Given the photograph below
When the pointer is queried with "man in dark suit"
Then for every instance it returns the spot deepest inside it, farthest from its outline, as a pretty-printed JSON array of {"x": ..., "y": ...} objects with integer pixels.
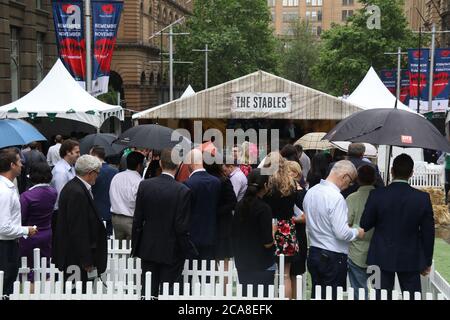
[
  {"x": 355, "y": 155},
  {"x": 205, "y": 197},
  {"x": 101, "y": 188},
  {"x": 403, "y": 238},
  {"x": 80, "y": 236},
  {"x": 160, "y": 234}
]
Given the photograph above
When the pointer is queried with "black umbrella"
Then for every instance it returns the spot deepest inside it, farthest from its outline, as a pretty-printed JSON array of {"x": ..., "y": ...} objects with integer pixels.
[
  {"x": 151, "y": 136},
  {"x": 102, "y": 140},
  {"x": 392, "y": 127}
]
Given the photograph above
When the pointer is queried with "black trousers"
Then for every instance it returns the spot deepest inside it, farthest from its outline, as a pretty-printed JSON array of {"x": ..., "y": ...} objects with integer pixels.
[
  {"x": 256, "y": 278},
  {"x": 9, "y": 264},
  {"x": 327, "y": 268},
  {"x": 161, "y": 273},
  {"x": 409, "y": 281}
]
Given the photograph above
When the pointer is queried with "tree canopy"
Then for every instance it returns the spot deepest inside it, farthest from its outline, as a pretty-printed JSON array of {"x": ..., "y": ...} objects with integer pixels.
[
  {"x": 348, "y": 51},
  {"x": 238, "y": 33}
]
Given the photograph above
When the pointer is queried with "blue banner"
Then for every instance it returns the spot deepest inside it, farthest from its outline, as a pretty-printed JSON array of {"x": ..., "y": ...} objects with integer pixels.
[
  {"x": 441, "y": 86},
  {"x": 389, "y": 78},
  {"x": 105, "y": 22},
  {"x": 69, "y": 30},
  {"x": 416, "y": 57},
  {"x": 404, "y": 87}
]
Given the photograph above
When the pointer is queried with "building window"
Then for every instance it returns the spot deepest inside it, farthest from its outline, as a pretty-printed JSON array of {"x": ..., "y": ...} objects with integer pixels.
[
  {"x": 347, "y": 2},
  {"x": 319, "y": 30},
  {"x": 289, "y": 16},
  {"x": 143, "y": 78},
  {"x": 271, "y": 3},
  {"x": 15, "y": 64},
  {"x": 273, "y": 17},
  {"x": 308, "y": 15},
  {"x": 290, "y": 3},
  {"x": 39, "y": 57},
  {"x": 38, "y": 4},
  {"x": 346, "y": 14},
  {"x": 319, "y": 15},
  {"x": 314, "y": 16},
  {"x": 314, "y": 3}
]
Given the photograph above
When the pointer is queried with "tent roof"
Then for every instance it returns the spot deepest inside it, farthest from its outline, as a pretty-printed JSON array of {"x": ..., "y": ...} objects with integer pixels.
[
  {"x": 372, "y": 93},
  {"x": 216, "y": 102},
  {"x": 59, "y": 95}
]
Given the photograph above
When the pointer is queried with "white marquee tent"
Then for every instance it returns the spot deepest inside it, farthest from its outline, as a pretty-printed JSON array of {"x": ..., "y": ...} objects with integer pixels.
[
  {"x": 372, "y": 93},
  {"x": 58, "y": 95}
]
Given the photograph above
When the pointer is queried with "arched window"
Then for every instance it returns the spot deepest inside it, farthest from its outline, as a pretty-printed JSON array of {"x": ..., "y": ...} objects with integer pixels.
[
  {"x": 151, "y": 78},
  {"x": 142, "y": 78},
  {"x": 158, "y": 78}
]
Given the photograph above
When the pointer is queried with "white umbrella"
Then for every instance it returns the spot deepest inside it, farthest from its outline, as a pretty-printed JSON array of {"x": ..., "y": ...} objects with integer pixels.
[
  {"x": 313, "y": 141},
  {"x": 371, "y": 150}
]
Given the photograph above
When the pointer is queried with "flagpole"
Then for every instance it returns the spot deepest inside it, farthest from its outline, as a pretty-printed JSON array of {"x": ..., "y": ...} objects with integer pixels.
[
  {"x": 430, "y": 87},
  {"x": 87, "y": 9}
]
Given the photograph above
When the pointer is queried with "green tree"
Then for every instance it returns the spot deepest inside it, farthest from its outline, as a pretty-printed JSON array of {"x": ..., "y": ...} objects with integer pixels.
[
  {"x": 239, "y": 34},
  {"x": 349, "y": 50},
  {"x": 110, "y": 97},
  {"x": 299, "y": 53}
]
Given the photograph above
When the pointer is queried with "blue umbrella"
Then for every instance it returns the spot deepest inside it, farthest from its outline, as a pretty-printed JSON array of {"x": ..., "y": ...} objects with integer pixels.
[{"x": 14, "y": 132}]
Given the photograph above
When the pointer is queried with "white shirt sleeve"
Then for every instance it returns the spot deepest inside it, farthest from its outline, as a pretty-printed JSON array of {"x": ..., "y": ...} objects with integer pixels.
[
  {"x": 339, "y": 222},
  {"x": 7, "y": 227},
  {"x": 59, "y": 181}
]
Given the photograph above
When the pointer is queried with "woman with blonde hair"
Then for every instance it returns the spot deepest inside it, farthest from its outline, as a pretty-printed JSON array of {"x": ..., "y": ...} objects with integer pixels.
[
  {"x": 298, "y": 265},
  {"x": 282, "y": 196},
  {"x": 245, "y": 159}
]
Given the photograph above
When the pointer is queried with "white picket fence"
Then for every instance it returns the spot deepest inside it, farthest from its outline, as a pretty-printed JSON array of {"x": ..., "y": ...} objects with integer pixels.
[
  {"x": 424, "y": 178},
  {"x": 122, "y": 280}
]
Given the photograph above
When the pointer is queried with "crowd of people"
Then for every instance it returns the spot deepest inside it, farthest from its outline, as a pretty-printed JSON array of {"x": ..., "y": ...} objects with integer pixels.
[{"x": 332, "y": 217}]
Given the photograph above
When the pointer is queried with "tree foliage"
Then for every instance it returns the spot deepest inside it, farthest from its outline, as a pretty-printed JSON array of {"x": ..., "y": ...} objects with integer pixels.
[
  {"x": 237, "y": 31},
  {"x": 299, "y": 53},
  {"x": 349, "y": 50}
]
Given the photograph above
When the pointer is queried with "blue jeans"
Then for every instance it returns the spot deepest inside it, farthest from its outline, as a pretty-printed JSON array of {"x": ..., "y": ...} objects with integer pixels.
[
  {"x": 358, "y": 277},
  {"x": 327, "y": 268}
]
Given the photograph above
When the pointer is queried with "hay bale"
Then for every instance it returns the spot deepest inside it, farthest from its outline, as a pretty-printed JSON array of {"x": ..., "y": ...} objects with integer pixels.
[
  {"x": 441, "y": 214},
  {"x": 437, "y": 196}
]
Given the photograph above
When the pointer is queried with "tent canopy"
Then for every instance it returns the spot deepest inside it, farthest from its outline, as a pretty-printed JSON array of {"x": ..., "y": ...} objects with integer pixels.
[
  {"x": 219, "y": 102},
  {"x": 372, "y": 93},
  {"x": 59, "y": 95}
]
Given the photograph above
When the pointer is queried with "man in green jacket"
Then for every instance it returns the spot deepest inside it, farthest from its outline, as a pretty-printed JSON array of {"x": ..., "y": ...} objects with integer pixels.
[{"x": 357, "y": 256}]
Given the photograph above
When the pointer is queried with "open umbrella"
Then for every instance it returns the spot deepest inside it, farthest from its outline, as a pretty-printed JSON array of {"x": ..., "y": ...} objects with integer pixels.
[
  {"x": 314, "y": 141},
  {"x": 392, "y": 127},
  {"x": 371, "y": 150},
  {"x": 16, "y": 132},
  {"x": 102, "y": 140},
  {"x": 150, "y": 136}
]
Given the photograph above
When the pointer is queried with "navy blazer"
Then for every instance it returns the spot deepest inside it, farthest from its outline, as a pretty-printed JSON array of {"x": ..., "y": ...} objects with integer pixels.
[
  {"x": 205, "y": 198},
  {"x": 100, "y": 190},
  {"x": 161, "y": 221},
  {"x": 403, "y": 239}
]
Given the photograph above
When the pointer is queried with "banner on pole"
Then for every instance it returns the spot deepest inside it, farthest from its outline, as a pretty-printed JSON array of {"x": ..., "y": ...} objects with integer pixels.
[
  {"x": 69, "y": 30},
  {"x": 389, "y": 78},
  {"x": 404, "y": 87},
  {"x": 441, "y": 86},
  {"x": 105, "y": 22},
  {"x": 416, "y": 56}
]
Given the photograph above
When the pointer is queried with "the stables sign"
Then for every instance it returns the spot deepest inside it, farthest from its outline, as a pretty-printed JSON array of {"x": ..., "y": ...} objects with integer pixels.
[{"x": 273, "y": 102}]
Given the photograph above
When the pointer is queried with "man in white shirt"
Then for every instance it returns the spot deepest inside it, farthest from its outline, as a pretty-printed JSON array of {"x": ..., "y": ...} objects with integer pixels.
[
  {"x": 53, "y": 152},
  {"x": 237, "y": 178},
  {"x": 123, "y": 192},
  {"x": 327, "y": 225},
  {"x": 11, "y": 228},
  {"x": 64, "y": 170}
]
